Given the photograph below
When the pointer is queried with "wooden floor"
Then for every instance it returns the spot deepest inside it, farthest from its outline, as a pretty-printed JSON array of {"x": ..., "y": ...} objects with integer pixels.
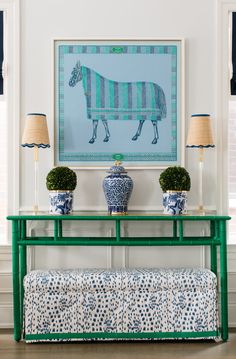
[{"x": 136, "y": 350}]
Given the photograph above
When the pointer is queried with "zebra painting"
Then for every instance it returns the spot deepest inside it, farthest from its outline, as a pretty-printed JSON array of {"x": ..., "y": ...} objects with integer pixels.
[{"x": 112, "y": 100}]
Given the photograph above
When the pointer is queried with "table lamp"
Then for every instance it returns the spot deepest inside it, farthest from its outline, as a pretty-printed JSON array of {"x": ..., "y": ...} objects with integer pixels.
[
  {"x": 35, "y": 136},
  {"x": 200, "y": 136}
]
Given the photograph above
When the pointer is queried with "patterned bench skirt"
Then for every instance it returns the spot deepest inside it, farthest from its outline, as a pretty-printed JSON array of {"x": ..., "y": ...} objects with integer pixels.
[{"x": 146, "y": 300}]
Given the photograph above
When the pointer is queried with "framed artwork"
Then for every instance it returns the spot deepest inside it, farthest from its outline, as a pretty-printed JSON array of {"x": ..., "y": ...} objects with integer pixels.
[{"x": 119, "y": 99}]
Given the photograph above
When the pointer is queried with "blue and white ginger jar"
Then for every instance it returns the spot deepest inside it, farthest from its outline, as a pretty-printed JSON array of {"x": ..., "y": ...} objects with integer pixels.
[
  {"x": 117, "y": 187},
  {"x": 175, "y": 203},
  {"x": 60, "y": 202}
]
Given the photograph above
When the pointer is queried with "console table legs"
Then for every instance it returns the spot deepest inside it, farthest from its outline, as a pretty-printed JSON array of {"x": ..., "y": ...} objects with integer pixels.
[
  {"x": 16, "y": 280},
  {"x": 223, "y": 281}
]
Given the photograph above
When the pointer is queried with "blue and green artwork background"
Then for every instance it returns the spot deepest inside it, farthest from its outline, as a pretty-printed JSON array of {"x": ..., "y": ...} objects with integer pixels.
[{"x": 149, "y": 63}]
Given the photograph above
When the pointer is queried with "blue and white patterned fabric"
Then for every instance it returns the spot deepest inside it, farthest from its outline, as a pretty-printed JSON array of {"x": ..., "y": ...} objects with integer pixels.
[{"x": 120, "y": 300}]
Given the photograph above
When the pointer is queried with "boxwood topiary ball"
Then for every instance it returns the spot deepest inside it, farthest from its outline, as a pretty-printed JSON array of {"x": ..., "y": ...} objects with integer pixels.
[
  {"x": 175, "y": 178},
  {"x": 61, "y": 178}
]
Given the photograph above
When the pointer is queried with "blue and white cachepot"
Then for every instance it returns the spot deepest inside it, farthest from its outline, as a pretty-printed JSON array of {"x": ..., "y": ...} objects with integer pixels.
[
  {"x": 117, "y": 187},
  {"x": 175, "y": 203},
  {"x": 60, "y": 202}
]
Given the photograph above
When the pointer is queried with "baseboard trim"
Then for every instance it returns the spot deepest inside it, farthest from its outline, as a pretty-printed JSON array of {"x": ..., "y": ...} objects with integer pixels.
[{"x": 6, "y": 328}]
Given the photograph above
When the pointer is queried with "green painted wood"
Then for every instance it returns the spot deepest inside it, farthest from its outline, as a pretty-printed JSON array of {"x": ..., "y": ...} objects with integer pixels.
[
  {"x": 174, "y": 229},
  {"x": 223, "y": 280},
  {"x": 67, "y": 241},
  {"x": 23, "y": 266},
  {"x": 106, "y": 335},
  {"x": 60, "y": 228},
  {"x": 55, "y": 224},
  {"x": 23, "y": 271},
  {"x": 23, "y": 229},
  {"x": 213, "y": 254},
  {"x": 114, "y": 239},
  {"x": 181, "y": 231},
  {"x": 107, "y": 217},
  {"x": 118, "y": 230},
  {"x": 213, "y": 247},
  {"x": 16, "y": 280}
]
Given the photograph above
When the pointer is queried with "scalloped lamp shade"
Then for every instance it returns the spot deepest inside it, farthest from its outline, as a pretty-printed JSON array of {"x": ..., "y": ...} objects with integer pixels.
[
  {"x": 36, "y": 131},
  {"x": 200, "y": 133},
  {"x": 200, "y": 137},
  {"x": 35, "y": 136}
]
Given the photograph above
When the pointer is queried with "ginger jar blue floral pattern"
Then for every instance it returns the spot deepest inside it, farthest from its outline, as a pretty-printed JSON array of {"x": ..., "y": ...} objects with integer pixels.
[
  {"x": 60, "y": 202},
  {"x": 175, "y": 203},
  {"x": 117, "y": 188}
]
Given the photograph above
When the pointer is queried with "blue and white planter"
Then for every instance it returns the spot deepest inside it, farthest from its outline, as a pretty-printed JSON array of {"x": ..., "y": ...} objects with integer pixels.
[
  {"x": 175, "y": 203},
  {"x": 117, "y": 188},
  {"x": 60, "y": 202}
]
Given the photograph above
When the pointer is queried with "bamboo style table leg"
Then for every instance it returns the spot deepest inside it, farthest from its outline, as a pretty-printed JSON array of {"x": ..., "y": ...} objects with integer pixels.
[
  {"x": 16, "y": 279},
  {"x": 223, "y": 281},
  {"x": 214, "y": 258},
  {"x": 213, "y": 249},
  {"x": 23, "y": 268}
]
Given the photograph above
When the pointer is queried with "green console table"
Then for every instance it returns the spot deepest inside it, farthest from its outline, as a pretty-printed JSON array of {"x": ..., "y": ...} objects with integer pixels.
[{"x": 215, "y": 239}]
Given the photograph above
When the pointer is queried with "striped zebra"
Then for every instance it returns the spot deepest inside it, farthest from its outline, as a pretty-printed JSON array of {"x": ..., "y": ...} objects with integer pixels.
[{"x": 112, "y": 100}]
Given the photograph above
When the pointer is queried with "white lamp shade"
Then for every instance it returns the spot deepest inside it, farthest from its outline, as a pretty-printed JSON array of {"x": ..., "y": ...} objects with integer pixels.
[
  {"x": 36, "y": 131},
  {"x": 200, "y": 133}
]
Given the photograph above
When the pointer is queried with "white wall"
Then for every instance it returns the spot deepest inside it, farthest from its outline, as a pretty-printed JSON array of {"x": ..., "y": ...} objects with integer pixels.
[{"x": 41, "y": 21}]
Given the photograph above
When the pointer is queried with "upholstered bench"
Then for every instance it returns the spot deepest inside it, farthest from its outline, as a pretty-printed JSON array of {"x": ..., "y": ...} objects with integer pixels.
[{"x": 62, "y": 304}]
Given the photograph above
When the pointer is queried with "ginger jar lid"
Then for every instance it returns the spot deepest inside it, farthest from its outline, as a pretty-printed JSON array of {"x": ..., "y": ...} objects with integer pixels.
[{"x": 117, "y": 168}]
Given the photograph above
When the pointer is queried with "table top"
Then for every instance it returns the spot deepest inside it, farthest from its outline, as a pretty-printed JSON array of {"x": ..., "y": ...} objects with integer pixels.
[{"x": 132, "y": 215}]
